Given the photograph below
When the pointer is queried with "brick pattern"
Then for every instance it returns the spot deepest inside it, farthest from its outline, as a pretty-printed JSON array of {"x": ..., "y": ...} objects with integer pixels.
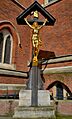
[
  {"x": 8, "y": 106},
  {"x": 65, "y": 108},
  {"x": 12, "y": 80},
  {"x": 66, "y": 79},
  {"x": 20, "y": 55},
  {"x": 57, "y": 38}
]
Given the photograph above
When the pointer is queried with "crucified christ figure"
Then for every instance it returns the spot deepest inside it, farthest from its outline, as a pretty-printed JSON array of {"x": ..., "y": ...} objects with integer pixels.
[{"x": 36, "y": 42}]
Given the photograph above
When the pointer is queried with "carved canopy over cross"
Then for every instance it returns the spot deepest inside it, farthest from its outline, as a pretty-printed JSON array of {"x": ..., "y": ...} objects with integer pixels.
[{"x": 35, "y": 6}]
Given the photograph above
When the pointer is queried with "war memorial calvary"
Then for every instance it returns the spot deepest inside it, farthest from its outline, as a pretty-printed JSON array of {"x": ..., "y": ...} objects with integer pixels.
[{"x": 35, "y": 58}]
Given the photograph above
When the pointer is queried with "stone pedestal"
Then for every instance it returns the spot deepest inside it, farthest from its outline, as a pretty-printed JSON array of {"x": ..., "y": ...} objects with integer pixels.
[
  {"x": 25, "y": 98},
  {"x": 26, "y": 111}
]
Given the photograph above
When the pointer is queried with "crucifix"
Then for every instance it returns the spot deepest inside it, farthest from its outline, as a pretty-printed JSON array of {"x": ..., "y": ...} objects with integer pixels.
[
  {"x": 35, "y": 82},
  {"x": 36, "y": 42}
]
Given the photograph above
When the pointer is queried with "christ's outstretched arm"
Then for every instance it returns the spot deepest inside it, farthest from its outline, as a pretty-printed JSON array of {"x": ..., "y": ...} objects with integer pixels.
[
  {"x": 43, "y": 24},
  {"x": 28, "y": 23}
]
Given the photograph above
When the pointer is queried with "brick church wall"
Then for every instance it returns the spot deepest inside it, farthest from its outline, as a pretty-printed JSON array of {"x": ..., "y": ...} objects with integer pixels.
[
  {"x": 57, "y": 38},
  {"x": 21, "y": 55},
  {"x": 64, "y": 78}
]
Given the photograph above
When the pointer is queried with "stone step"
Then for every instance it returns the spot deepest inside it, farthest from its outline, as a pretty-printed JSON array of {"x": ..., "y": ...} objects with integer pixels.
[{"x": 34, "y": 112}]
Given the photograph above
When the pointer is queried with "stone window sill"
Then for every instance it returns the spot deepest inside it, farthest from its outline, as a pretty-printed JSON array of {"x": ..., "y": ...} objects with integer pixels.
[{"x": 8, "y": 66}]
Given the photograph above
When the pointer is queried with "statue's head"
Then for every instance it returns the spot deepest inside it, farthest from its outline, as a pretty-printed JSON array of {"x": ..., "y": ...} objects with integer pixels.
[{"x": 35, "y": 24}]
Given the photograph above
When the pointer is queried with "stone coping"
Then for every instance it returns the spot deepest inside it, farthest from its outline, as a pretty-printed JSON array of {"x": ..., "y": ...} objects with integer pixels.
[
  {"x": 13, "y": 73},
  {"x": 65, "y": 69}
]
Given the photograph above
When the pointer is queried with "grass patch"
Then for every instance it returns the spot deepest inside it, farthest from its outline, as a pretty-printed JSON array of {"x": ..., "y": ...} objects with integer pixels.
[
  {"x": 63, "y": 117},
  {"x": 58, "y": 117}
]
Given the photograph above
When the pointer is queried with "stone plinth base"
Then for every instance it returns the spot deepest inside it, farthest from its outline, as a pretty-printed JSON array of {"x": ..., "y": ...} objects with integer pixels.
[
  {"x": 25, "y": 98},
  {"x": 34, "y": 112},
  {"x": 26, "y": 111}
]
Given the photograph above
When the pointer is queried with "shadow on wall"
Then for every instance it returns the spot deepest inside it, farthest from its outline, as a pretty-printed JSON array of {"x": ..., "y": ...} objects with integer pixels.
[{"x": 44, "y": 55}]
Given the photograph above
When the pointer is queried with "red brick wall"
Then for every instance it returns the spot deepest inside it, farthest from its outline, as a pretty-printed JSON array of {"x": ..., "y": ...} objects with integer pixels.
[
  {"x": 64, "y": 78},
  {"x": 12, "y": 80},
  {"x": 57, "y": 38},
  {"x": 21, "y": 55},
  {"x": 65, "y": 108},
  {"x": 8, "y": 107}
]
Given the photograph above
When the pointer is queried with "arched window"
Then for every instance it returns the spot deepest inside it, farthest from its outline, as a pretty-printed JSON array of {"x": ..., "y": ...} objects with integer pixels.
[
  {"x": 7, "y": 50},
  {"x": 50, "y": 1},
  {"x": 59, "y": 91},
  {"x": 5, "y": 46},
  {"x": 1, "y": 46}
]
